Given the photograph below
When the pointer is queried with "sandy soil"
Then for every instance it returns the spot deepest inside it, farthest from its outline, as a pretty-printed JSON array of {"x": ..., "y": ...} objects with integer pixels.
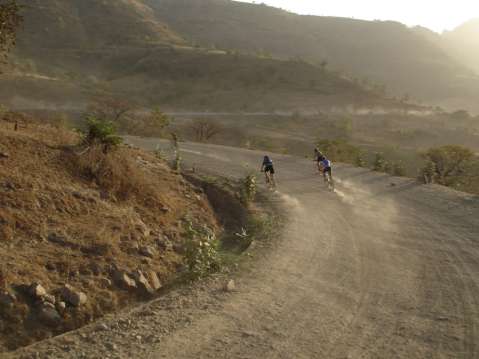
[{"x": 382, "y": 268}]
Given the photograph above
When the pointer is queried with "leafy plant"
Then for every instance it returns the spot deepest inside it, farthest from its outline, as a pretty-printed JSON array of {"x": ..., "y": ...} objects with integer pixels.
[
  {"x": 10, "y": 20},
  {"x": 398, "y": 169},
  {"x": 201, "y": 251},
  {"x": 450, "y": 165},
  {"x": 176, "y": 149},
  {"x": 339, "y": 150},
  {"x": 101, "y": 132},
  {"x": 248, "y": 189},
  {"x": 380, "y": 162}
]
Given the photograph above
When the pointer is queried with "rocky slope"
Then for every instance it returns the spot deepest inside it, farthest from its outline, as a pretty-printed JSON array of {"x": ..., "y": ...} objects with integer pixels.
[{"x": 82, "y": 233}]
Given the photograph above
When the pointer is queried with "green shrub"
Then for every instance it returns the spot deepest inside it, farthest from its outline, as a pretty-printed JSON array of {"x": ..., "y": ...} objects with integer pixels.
[
  {"x": 101, "y": 132},
  {"x": 398, "y": 169},
  {"x": 248, "y": 189},
  {"x": 380, "y": 162},
  {"x": 450, "y": 165},
  {"x": 175, "y": 142},
  {"x": 339, "y": 150},
  {"x": 201, "y": 251}
]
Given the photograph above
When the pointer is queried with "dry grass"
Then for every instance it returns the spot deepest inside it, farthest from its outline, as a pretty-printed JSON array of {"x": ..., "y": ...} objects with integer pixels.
[{"x": 67, "y": 217}]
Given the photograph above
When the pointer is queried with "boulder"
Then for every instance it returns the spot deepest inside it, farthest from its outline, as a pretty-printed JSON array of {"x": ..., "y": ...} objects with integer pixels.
[
  {"x": 37, "y": 291},
  {"x": 143, "y": 283},
  {"x": 73, "y": 296},
  {"x": 7, "y": 300},
  {"x": 49, "y": 316},
  {"x": 154, "y": 280},
  {"x": 123, "y": 280}
]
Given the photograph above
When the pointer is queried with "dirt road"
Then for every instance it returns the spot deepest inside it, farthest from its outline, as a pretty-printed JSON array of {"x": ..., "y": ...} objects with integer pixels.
[{"x": 383, "y": 268}]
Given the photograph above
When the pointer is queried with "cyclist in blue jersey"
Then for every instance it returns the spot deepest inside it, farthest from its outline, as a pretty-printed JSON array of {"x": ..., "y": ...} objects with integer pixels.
[{"x": 326, "y": 169}]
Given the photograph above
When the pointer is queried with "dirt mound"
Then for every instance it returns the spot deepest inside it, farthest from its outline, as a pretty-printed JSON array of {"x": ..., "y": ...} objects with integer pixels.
[{"x": 83, "y": 233}]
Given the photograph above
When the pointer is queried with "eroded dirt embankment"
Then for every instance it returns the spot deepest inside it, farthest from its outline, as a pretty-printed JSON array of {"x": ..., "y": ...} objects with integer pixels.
[{"x": 83, "y": 233}]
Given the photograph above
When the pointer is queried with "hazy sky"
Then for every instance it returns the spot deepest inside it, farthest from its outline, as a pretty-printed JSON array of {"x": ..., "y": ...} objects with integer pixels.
[{"x": 438, "y": 15}]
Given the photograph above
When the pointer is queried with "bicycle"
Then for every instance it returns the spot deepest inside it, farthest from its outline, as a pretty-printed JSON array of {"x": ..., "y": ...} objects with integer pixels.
[
  {"x": 328, "y": 178},
  {"x": 270, "y": 182}
]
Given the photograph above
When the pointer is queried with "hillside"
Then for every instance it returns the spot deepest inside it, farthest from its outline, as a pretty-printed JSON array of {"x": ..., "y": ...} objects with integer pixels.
[
  {"x": 57, "y": 24},
  {"x": 463, "y": 43},
  {"x": 90, "y": 220},
  {"x": 384, "y": 52},
  {"x": 71, "y": 52}
]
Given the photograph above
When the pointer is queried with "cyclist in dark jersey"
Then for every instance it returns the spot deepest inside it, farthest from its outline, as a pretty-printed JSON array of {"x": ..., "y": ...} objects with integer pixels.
[
  {"x": 317, "y": 158},
  {"x": 268, "y": 168}
]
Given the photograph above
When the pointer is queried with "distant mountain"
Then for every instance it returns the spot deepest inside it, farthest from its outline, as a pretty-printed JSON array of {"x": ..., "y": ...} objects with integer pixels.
[
  {"x": 71, "y": 51},
  {"x": 463, "y": 43},
  {"x": 384, "y": 52},
  {"x": 60, "y": 24}
]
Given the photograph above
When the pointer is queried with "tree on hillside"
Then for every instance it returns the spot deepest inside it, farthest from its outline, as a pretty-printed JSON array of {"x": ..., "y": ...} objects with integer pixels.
[
  {"x": 10, "y": 20},
  {"x": 204, "y": 130},
  {"x": 116, "y": 110},
  {"x": 448, "y": 165},
  {"x": 150, "y": 124}
]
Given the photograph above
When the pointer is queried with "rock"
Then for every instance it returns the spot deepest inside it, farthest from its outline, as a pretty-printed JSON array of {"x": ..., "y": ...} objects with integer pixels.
[
  {"x": 105, "y": 283},
  {"x": 48, "y": 298},
  {"x": 147, "y": 251},
  {"x": 72, "y": 296},
  {"x": 4, "y": 155},
  {"x": 143, "y": 283},
  {"x": 123, "y": 280},
  {"x": 37, "y": 291},
  {"x": 154, "y": 280},
  {"x": 61, "y": 306},
  {"x": 165, "y": 209},
  {"x": 49, "y": 316},
  {"x": 7, "y": 300},
  {"x": 102, "y": 327},
  {"x": 179, "y": 248},
  {"x": 230, "y": 286}
]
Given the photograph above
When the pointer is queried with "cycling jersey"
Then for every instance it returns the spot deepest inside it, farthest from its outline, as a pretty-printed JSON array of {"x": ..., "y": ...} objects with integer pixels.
[{"x": 326, "y": 163}]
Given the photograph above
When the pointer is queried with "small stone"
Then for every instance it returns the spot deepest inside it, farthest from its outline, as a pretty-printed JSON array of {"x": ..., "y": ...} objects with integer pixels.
[
  {"x": 154, "y": 280},
  {"x": 105, "y": 283},
  {"x": 147, "y": 251},
  {"x": 37, "y": 291},
  {"x": 4, "y": 155},
  {"x": 102, "y": 327},
  {"x": 48, "y": 298},
  {"x": 230, "y": 286},
  {"x": 61, "y": 306},
  {"x": 142, "y": 282},
  {"x": 72, "y": 296},
  {"x": 123, "y": 280}
]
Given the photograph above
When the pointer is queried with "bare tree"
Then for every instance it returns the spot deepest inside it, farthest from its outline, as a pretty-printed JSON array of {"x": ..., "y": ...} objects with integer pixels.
[
  {"x": 204, "y": 130},
  {"x": 111, "y": 109},
  {"x": 10, "y": 20}
]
